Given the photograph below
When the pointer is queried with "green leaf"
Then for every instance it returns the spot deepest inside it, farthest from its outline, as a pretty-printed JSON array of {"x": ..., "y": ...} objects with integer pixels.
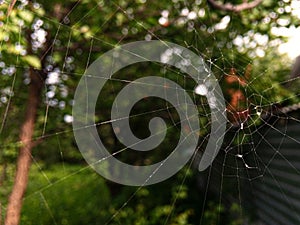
[
  {"x": 26, "y": 15},
  {"x": 33, "y": 61}
]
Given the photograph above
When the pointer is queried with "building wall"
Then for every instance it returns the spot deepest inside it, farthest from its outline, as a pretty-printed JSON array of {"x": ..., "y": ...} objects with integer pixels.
[{"x": 277, "y": 192}]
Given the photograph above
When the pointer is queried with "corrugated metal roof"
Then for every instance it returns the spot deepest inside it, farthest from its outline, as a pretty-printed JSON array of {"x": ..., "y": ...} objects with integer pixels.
[{"x": 277, "y": 192}]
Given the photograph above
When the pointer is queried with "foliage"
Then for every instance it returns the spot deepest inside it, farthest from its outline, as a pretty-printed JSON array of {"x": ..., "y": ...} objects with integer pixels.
[
  {"x": 74, "y": 194},
  {"x": 65, "y": 199},
  {"x": 60, "y": 39}
]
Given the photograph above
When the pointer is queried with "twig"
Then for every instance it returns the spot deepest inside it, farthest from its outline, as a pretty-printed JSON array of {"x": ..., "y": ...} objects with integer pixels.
[
  {"x": 10, "y": 7},
  {"x": 235, "y": 8}
]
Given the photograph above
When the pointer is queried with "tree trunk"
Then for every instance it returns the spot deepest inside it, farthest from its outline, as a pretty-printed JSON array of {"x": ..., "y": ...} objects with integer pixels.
[{"x": 24, "y": 159}]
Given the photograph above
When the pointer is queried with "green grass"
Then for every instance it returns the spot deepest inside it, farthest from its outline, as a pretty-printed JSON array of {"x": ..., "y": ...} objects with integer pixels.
[{"x": 65, "y": 195}]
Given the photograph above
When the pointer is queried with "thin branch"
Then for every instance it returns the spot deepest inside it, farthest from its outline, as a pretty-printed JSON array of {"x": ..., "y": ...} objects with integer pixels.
[
  {"x": 10, "y": 7},
  {"x": 235, "y": 8}
]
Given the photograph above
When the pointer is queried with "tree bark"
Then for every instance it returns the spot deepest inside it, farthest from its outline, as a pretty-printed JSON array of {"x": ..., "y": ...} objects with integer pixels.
[
  {"x": 24, "y": 159},
  {"x": 235, "y": 8}
]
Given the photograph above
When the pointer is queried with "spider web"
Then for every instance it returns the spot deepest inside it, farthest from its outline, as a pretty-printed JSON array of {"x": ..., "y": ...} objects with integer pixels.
[{"x": 257, "y": 168}]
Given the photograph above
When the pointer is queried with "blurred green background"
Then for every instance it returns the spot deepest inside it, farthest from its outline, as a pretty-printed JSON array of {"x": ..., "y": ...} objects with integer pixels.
[{"x": 59, "y": 39}]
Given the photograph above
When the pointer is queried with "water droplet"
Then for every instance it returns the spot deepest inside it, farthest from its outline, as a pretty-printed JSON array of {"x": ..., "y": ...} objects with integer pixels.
[{"x": 201, "y": 90}]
